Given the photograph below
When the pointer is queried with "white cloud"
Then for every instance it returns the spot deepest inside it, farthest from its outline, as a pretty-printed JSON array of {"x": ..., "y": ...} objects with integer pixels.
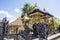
[
  {"x": 9, "y": 16},
  {"x": 17, "y": 10},
  {"x": 6, "y": 14}
]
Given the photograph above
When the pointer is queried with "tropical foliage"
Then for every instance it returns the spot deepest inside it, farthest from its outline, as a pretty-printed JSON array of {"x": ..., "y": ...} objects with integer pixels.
[
  {"x": 27, "y": 8},
  {"x": 56, "y": 22}
]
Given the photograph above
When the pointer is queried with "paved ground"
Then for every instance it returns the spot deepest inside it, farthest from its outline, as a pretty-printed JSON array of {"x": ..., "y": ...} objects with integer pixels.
[
  {"x": 55, "y": 36},
  {"x": 52, "y": 37},
  {"x": 38, "y": 39},
  {"x": 58, "y": 38}
]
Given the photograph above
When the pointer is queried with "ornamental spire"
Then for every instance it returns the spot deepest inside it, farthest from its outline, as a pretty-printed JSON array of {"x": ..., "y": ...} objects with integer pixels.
[
  {"x": 36, "y": 6},
  {"x": 44, "y": 10}
]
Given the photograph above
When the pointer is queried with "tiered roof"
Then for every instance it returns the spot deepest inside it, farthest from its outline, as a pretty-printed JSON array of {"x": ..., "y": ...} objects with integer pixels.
[
  {"x": 36, "y": 9},
  {"x": 18, "y": 21}
]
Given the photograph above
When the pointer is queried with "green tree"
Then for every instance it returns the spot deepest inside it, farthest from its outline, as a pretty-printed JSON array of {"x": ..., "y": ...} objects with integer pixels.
[
  {"x": 56, "y": 23},
  {"x": 26, "y": 8}
]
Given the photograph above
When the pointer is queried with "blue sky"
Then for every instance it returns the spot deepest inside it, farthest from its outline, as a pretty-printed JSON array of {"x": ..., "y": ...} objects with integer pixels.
[{"x": 12, "y": 8}]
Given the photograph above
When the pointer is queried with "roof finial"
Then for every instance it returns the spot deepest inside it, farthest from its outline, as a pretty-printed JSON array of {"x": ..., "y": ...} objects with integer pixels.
[
  {"x": 36, "y": 5},
  {"x": 44, "y": 9}
]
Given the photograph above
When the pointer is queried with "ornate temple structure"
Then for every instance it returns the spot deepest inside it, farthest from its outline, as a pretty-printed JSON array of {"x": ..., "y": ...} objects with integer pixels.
[
  {"x": 3, "y": 28},
  {"x": 3, "y": 25},
  {"x": 34, "y": 16},
  {"x": 15, "y": 26}
]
